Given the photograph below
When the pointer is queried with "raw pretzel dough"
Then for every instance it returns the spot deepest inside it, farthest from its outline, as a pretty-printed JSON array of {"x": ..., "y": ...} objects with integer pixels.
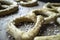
[
  {"x": 53, "y": 37},
  {"x": 39, "y": 20},
  {"x": 21, "y": 35},
  {"x": 9, "y": 7},
  {"x": 51, "y": 16},
  {"x": 58, "y": 20},
  {"x": 28, "y": 3},
  {"x": 53, "y": 7}
]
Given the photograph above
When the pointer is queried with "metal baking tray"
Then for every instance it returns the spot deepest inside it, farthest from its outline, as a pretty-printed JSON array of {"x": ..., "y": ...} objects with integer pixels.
[{"x": 21, "y": 12}]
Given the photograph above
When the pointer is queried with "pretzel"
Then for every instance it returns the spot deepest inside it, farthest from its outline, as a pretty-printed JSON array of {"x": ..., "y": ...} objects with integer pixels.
[
  {"x": 52, "y": 7},
  {"x": 55, "y": 7},
  {"x": 52, "y": 37},
  {"x": 50, "y": 16},
  {"x": 28, "y": 3},
  {"x": 22, "y": 35},
  {"x": 7, "y": 7}
]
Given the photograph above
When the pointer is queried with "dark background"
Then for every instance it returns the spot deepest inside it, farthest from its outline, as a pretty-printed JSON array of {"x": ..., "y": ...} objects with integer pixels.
[{"x": 50, "y": 0}]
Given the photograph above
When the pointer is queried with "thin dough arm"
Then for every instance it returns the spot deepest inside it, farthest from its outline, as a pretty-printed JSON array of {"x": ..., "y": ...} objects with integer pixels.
[
  {"x": 53, "y": 37},
  {"x": 14, "y": 31},
  {"x": 35, "y": 30}
]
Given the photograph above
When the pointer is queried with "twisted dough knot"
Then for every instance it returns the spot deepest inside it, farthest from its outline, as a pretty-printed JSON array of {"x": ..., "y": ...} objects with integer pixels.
[
  {"x": 28, "y": 3},
  {"x": 22, "y": 35},
  {"x": 48, "y": 15},
  {"x": 54, "y": 7},
  {"x": 7, "y": 7}
]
